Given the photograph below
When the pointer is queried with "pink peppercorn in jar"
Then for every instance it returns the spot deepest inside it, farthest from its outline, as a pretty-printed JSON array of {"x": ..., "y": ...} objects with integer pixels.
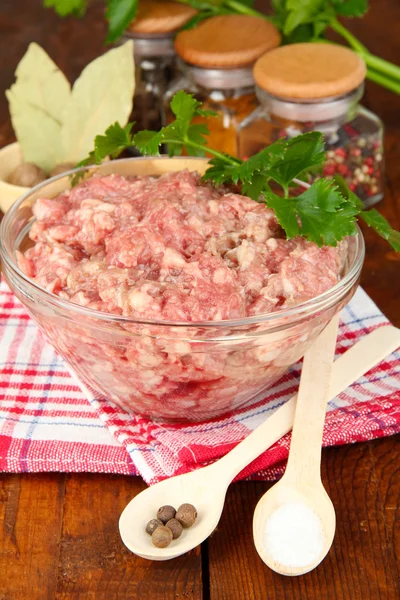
[{"x": 317, "y": 87}]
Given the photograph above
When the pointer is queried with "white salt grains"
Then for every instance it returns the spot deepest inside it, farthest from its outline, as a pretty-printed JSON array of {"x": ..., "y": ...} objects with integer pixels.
[{"x": 293, "y": 535}]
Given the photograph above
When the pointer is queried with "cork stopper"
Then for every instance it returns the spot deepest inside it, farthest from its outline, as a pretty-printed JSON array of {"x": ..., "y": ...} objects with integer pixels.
[
  {"x": 309, "y": 71},
  {"x": 227, "y": 41},
  {"x": 160, "y": 17}
]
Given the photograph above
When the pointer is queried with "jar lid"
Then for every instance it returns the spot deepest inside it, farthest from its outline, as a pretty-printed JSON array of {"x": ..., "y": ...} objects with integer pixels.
[
  {"x": 309, "y": 71},
  {"x": 160, "y": 16},
  {"x": 227, "y": 41}
]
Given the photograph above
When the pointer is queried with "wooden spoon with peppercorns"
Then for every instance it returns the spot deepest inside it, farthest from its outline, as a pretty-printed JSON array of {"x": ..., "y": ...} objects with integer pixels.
[{"x": 205, "y": 488}]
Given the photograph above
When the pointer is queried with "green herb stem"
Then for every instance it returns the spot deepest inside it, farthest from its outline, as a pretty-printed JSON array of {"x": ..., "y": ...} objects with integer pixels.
[
  {"x": 375, "y": 62},
  {"x": 228, "y": 159},
  {"x": 236, "y": 6},
  {"x": 384, "y": 81},
  {"x": 383, "y": 66},
  {"x": 349, "y": 37},
  {"x": 243, "y": 9}
]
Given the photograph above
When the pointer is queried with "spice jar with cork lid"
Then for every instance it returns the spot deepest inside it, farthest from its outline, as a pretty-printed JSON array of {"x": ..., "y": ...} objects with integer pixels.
[
  {"x": 317, "y": 87},
  {"x": 153, "y": 32},
  {"x": 216, "y": 59}
]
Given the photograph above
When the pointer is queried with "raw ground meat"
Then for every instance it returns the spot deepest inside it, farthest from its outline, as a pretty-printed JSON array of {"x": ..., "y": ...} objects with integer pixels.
[{"x": 173, "y": 249}]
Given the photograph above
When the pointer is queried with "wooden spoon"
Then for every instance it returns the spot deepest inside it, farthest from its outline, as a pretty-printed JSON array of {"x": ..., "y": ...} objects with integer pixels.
[
  {"x": 294, "y": 522},
  {"x": 206, "y": 487}
]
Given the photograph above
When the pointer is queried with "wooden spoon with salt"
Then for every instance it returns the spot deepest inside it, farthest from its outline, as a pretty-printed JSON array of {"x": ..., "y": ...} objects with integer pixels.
[{"x": 294, "y": 522}]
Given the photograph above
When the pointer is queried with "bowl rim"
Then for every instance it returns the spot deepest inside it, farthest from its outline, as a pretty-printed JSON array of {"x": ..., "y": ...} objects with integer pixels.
[{"x": 312, "y": 306}]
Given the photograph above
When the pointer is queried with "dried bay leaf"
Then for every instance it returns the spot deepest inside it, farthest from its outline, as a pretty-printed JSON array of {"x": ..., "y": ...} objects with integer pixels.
[
  {"x": 103, "y": 94},
  {"x": 37, "y": 100}
]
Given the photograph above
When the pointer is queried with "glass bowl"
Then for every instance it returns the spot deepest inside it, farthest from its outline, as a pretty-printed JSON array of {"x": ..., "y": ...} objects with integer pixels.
[{"x": 168, "y": 370}]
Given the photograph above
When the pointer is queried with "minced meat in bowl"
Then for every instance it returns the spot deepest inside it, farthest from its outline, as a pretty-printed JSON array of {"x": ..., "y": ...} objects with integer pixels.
[{"x": 172, "y": 298}]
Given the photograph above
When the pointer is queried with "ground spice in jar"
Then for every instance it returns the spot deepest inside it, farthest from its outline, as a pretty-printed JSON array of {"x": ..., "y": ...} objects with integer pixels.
[
  {"x": 317, "y": 87},
  {"x": 217, "y": 58},
  {"x": 293, "y": 535}
]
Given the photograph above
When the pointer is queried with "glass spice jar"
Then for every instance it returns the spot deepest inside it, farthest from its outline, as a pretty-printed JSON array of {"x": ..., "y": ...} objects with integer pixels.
[
  {"x": 153, "y": 32},
  {"x": 216, "y": 60},
  {"x": 317, "y": 87}
]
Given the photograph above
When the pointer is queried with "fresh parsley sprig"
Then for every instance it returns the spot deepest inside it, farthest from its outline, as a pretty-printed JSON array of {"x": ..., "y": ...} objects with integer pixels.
[{"x": 324, "y": 213}]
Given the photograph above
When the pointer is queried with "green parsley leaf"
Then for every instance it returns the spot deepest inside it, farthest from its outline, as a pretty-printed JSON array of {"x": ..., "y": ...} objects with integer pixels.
[
  {"x": 263, "y": 161},
  {"x": 347, "y": 193},
  {"x": 326, "y": 216},
  {"x": 119, "y": 14},
  {"x": 379, "y": 224},
  {"x": 67, "y": 7},
  {"x": 221, "y": 171},
  {"x": 113, "y": 142},
  {"x": 321, "y": 214},
  {"x": 298, "y": 14},
  {"x": 307, "y": 20},
  {"x": 180, "y": 132},
  {"x": 255, "y": 187},
  {"x": 285, "y": 210},
  {"x": 184, "y": 106},
  {"x": 302, "y": 153},
  {"x": 351, "y": 8},
  {"x": 86, "y": 162},
  {"x": 196, "y": 134},
  {"x": 148, "y": 142}
]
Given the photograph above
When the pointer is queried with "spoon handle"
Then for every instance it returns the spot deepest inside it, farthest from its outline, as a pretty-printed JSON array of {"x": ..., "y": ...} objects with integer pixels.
[
  {"x": 349, "y": 367},
  {"x": 304, "y": 462}
]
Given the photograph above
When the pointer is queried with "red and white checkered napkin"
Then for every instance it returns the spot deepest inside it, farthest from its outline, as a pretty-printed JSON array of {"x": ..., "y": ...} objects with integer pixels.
[{"x": 47, "y": 424}]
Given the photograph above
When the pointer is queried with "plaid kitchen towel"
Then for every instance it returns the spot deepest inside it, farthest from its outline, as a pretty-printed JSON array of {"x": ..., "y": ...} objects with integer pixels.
[{"x": 48, "y": 424}]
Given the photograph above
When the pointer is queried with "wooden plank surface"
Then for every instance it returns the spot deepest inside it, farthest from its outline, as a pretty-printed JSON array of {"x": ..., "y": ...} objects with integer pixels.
[
  {"x": 59, "y": 539},
  {"x": 58, "y": 533},
  {"x": 364, "y": 563},
  {"x": 95, "y": 565},
  {"x": 31, "y": 511}
]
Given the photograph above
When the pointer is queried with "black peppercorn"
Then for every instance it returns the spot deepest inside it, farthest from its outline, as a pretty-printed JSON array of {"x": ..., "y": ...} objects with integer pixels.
[
  {"x": 165, "y": 513},
  {"x": 162, "y": 537},
  {"x": 175, "y": 527},
  {"x": 152, "y": 525},
  {"x": 186, "y": 515}
]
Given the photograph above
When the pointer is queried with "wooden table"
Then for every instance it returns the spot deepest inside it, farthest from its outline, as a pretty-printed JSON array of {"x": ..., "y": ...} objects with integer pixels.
[{"x": 58, "y": 532}]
